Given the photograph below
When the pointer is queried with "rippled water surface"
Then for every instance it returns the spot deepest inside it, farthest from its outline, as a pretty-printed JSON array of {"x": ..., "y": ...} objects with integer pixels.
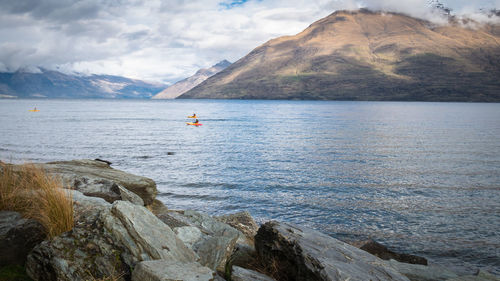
[{"x": 421, "y": 177}]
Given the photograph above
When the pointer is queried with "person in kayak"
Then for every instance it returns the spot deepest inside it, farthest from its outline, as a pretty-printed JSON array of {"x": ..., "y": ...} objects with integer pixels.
[
  {"x": 194, "y": 115},
  {"x": 195, "y": 121}
]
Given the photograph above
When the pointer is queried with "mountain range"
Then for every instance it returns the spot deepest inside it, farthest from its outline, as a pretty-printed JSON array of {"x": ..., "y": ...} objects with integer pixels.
[
  {"x": 365, "y": 55},
  {"x": 54, "y": 84},
  {"x": 187, "y": 84}
]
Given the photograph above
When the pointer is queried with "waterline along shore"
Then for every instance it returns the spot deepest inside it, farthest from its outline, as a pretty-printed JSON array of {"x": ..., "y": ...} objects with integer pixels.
[{"x": 122, "y": 232}]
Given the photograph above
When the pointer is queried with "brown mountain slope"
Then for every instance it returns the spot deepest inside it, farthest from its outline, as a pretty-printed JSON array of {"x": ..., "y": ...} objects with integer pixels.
[
  {"x": 363, "y": 55},
  {"x": 187, "y": 84}
]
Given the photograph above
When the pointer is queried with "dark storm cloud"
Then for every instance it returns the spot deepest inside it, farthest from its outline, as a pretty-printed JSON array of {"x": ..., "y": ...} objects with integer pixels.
[{"x": 58, "y": 11}]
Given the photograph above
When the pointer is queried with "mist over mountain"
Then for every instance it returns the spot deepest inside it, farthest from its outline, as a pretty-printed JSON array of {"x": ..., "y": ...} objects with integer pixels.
[
  {"x": 187, "y": 84},
  {"x": 53, "y": 84},
  {"x": 365, "y": 55}
]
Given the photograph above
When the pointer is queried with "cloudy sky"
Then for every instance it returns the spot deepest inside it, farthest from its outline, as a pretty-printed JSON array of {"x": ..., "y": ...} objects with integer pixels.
[{"x": 165, "y": 40}]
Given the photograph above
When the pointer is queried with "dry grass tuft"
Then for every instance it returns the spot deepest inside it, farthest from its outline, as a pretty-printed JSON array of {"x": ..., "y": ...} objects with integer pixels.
[{"x": 35, "y": 194}]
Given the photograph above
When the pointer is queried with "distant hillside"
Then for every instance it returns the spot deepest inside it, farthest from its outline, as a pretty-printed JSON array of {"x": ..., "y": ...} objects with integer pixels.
[
  {"x": 187, "y": 84},
  {"x": 53, "y": 84},
  {"x": 364, "y": 55}
]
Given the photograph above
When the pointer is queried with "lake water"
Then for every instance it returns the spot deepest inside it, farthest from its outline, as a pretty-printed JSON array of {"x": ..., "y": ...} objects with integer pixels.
[{"x": 423, "y": 178}]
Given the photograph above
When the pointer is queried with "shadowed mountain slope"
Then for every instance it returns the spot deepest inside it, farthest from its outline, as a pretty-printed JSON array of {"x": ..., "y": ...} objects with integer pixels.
[
  {"x": 54, "y": 84},
  {"x": 187, "y": 84},
  {"x": 364, "y": 55}
]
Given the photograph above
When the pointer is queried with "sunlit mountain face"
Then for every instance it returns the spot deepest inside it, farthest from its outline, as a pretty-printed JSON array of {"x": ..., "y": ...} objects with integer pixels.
[{"x": 364, "y": 55}]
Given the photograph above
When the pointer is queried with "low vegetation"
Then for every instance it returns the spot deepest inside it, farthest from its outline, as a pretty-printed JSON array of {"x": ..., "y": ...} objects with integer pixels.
[
  {"x": 13, "y": 273},
  {"x": 29, "y": 190}
]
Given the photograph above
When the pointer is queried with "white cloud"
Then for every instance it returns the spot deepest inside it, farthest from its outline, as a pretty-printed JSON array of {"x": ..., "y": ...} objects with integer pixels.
[{"x": 165, "y": 40}]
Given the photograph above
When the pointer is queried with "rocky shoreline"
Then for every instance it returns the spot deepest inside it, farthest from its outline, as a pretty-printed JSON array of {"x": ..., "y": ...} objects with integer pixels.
[{"x": 122, "y": 232}]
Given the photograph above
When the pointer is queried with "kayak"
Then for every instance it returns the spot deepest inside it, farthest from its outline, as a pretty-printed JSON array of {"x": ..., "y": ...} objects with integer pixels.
[
  {"x": 194, "y": 124},
  {"x": 194, "y": 116},
  {"x": 34, "y": 110}
]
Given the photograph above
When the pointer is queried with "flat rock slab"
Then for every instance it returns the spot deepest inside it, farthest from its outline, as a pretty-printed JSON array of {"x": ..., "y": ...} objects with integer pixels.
[
  {"x": 87, "y": 174},
  {"x": 167, "y": 270},
  {"x": 155, "y": 237},
  {"x": 304, "y": 254}
]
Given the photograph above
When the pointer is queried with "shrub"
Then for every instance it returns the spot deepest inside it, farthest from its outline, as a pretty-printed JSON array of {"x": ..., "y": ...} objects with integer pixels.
[{"x": 29, "y": 190}]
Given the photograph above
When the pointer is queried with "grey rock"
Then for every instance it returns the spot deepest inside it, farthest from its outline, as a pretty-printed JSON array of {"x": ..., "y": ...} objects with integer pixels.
[
  {"x": 129, "y": 196},
  {"x": 218, "y": 243},
  {"x": 82, "y": 202},
  {"x": 189, "y": 235},
  {"x": 167, "y": 270},
  {"x": 107, "y": 240},
  {"x": 211, "y": 239},
  {"x": 17, "y": 237},
  {"x": 96, "y": 178},
  {"x": 242, "y": 274},
  {"x": 418, "y": 272},
  {"x": 155, "y": 237},
  {"x": 304, "y": 254},
  {"x": 218, "y": 278},
  {"x": 243, "y": 222},
  {"x": 211, "y": 226},
  {"x": 214, "y": 251},
  {"x": 174, "y": 219},
  {"x": 94, "y": 187},
  {"x": 244, "y": 255},
  {"x": 101, "y": 188},
  {"x": 87, "y": 252},
  {"x": 480, "y": 276},
  {"x": 157, "y": 207}
]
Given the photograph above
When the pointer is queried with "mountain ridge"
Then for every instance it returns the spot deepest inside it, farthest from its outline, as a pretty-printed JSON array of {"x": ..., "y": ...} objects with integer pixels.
[
  {"x": 187, "y": 84},
  {"x": 54, "y": 84},
  {"x": 365, "y": 55}
]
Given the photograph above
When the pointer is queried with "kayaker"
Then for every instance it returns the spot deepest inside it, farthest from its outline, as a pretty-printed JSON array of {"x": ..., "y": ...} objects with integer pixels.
[
  {"x": 194, "y": 115},
  {"x": 195, "y": 121}
]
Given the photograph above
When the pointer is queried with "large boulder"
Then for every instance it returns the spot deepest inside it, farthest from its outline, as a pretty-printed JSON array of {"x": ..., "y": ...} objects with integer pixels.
[
  {"x": 154, "y": 237},
  {"x": 107, "y": 240},
  {"x": 17, "y": 237},
  {"x": 168, "y": 270},
  {"x": 97, "y": 178},
  {"x": 299, "y": 253},
  {"x": 87, "y": 252}
]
